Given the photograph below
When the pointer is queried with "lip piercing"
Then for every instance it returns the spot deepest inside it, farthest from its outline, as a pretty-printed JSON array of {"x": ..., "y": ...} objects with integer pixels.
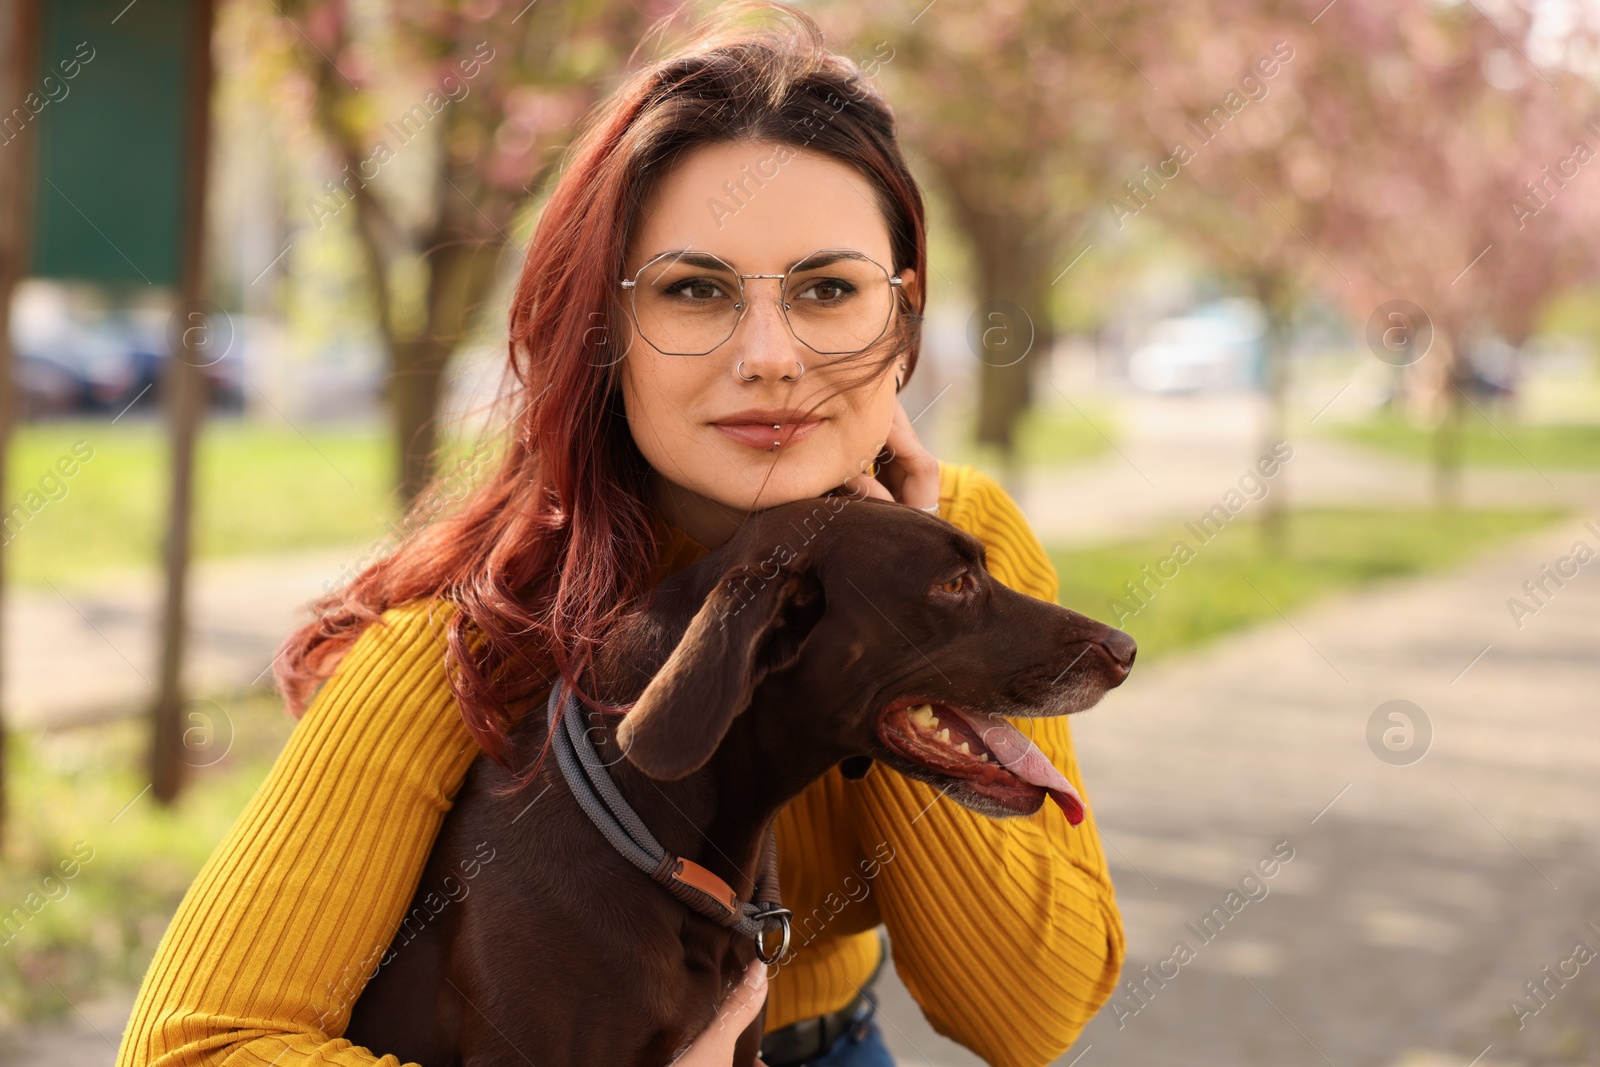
[{"x": 775, "y": 430}]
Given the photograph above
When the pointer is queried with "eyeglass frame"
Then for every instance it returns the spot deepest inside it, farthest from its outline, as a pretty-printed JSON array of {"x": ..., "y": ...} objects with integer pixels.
[{"x": 631, "y": 284}]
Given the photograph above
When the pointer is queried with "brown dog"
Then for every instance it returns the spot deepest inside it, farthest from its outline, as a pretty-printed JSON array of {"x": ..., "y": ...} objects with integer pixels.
[{"x": 825, "y": 631}]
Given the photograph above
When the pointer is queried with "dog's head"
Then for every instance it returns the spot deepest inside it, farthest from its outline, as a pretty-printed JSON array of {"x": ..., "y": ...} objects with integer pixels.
[{"x": 864, "y": 629}]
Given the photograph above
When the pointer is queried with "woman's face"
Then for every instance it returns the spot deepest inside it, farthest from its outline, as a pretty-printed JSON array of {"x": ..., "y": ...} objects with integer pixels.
[{"x": 709, "y": 475}]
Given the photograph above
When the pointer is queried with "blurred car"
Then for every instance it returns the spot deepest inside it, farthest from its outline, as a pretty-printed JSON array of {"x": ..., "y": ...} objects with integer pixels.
[
  {"x": 75, "y": 367},
  {"x": 1216, "y": 346},
  {"x": 45, "y": 386},
  {"x": 74, "y": 362},
  {"x": 144, "y": 334}
]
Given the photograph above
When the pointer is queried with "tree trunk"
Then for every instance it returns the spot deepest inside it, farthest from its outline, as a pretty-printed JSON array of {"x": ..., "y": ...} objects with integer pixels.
[
  {"x": 185, "y": 406},
  {"x": 1013, "y": 328},
  {"x": 1447, "y": 434},
  {"x": 460, "y": 276},
  {"x": 1013, "y": 331},
  {"x": 460, "y": 260},
  {"x": 1273, "y": 296},
  {"x": 194, "y": 347},
  {"x": 415, "y": 387},
  {"x": 20, "y": 36}
]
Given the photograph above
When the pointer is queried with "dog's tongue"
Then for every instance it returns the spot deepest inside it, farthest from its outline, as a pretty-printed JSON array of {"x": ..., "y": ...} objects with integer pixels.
[{"x": 1019, "y": 755}]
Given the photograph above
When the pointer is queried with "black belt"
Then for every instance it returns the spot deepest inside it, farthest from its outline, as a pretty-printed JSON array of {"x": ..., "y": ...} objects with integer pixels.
[{"x": 810, "y": 1039}]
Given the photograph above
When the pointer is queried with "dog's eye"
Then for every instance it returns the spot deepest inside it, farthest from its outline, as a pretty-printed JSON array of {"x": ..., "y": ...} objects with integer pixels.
[{"x": 956, "y": 584}]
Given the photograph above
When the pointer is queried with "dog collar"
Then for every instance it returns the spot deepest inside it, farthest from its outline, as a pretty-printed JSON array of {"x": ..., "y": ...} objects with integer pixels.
[{"x": 685, "y": 879}]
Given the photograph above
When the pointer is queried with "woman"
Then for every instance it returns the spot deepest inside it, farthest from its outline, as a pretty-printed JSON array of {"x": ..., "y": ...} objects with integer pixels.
[{"x": 718, "y": 308}]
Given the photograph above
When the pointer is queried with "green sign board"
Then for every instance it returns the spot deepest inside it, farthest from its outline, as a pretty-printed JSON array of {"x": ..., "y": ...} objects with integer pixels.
[{"x": 110, "y": 106}]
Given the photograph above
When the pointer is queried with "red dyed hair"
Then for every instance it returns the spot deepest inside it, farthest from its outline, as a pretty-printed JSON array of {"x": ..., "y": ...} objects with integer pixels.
[{"x": 555, "y": 547}]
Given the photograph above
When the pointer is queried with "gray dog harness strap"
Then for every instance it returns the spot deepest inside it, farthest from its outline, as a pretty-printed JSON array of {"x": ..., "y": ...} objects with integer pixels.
[{"x": 691, "y": 883}]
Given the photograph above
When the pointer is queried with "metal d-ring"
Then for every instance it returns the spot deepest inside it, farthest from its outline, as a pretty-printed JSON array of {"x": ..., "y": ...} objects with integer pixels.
[{"x": 783, "y": 915}]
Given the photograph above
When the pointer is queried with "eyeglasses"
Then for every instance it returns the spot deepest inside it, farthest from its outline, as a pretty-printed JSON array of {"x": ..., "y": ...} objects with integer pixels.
[{"x": 837, "y": 301}]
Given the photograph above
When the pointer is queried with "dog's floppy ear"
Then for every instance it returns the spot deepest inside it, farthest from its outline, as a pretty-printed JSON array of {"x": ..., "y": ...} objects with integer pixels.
[{"x": 751, "y": 625}]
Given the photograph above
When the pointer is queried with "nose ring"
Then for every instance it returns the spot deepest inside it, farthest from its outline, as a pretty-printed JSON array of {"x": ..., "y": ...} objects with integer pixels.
[
  {"x": 794, "y": 377},
  {"x": 739, "y": 370}
]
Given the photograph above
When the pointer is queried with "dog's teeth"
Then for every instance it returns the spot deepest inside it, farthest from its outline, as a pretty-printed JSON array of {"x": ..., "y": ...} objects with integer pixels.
[
  {"x": 962, "y": 748},
  {"x": 984, "y": 756},
  {"x": 944, "y": 735},
  {"x": 923, "y": 716}
]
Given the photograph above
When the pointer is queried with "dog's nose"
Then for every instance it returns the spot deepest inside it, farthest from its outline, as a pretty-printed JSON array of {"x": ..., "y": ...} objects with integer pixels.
[{"x": 1121, "y": 649}]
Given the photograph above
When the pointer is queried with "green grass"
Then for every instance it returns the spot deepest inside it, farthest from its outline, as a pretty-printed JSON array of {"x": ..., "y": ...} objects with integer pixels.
[
  {"x": 95, "y": 933},
  {"x": 1329, "y": 550},
  {"x": 1494, "y": 442},
  {"x": 258, "y": 488}
]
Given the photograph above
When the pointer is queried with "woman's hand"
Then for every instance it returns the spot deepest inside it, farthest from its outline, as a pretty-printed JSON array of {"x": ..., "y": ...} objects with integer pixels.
[
  {"x": 907, "y": 472},
  {"x": 715, "y": 1045}
]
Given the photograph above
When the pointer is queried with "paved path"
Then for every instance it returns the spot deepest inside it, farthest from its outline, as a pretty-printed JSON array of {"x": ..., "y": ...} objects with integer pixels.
[
  {"x": 73, "y": 654},
  {"x": 88, "y": 1038}
]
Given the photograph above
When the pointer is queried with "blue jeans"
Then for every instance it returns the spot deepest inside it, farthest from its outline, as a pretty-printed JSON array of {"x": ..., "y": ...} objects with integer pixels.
[{"x": 860, "y": 1046}]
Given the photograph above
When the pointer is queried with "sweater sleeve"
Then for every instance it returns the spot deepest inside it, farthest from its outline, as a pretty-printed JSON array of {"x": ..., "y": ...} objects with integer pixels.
[
  {"x": 288, "y": 918},
  {"x": 1005, "y": 931}
]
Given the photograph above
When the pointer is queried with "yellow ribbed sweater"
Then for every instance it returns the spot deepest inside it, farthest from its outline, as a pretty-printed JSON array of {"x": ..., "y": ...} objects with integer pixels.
[{"x": 1005, "y": 931}]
